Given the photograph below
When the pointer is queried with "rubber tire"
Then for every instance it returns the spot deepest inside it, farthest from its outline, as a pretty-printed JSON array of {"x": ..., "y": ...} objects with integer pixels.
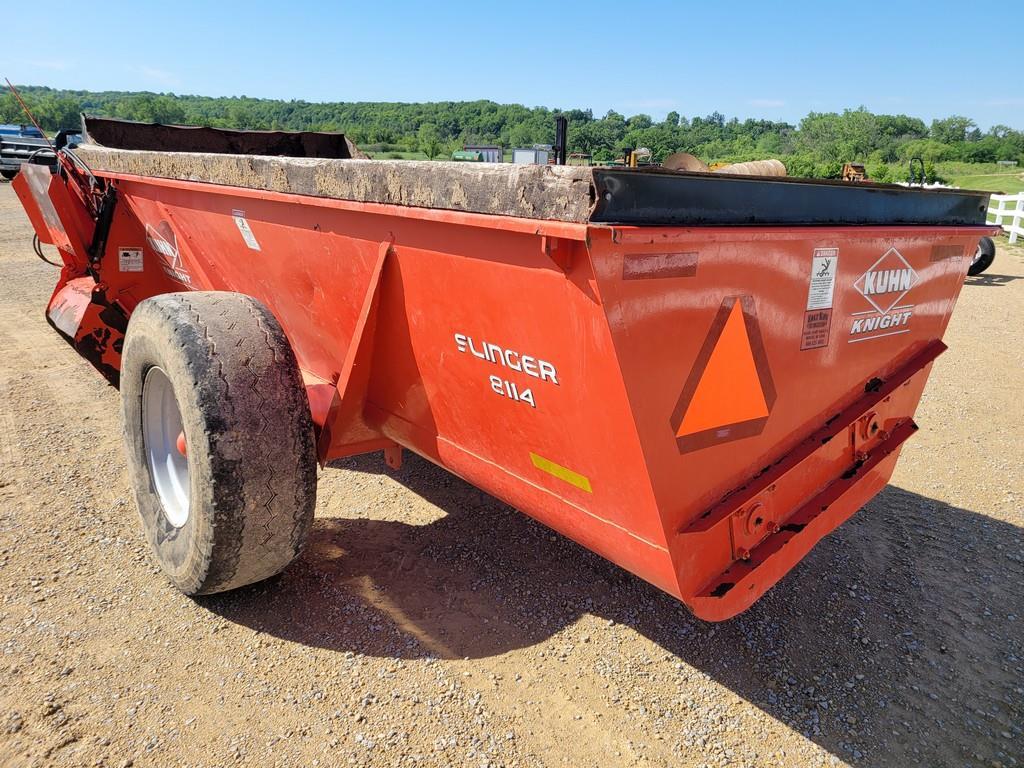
[
  {"x": 248, "y": 432},
  {"x": 9, "y": 175},
  {"x": 987, "y": 254}
]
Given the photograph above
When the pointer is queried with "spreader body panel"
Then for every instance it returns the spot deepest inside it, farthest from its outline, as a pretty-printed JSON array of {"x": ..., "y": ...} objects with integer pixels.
[{"x": 697, "y": 404}]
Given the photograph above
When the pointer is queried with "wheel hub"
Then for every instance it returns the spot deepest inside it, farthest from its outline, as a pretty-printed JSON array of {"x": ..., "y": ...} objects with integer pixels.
[{"x": 164, "y": 441}]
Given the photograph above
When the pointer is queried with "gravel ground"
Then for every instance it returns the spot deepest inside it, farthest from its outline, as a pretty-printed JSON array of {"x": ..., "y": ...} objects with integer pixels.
[{"x": 428, "y": 624}]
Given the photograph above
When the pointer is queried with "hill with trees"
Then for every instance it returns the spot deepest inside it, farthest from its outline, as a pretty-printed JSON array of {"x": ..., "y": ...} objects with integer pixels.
[{"x": 817, "y": 146}]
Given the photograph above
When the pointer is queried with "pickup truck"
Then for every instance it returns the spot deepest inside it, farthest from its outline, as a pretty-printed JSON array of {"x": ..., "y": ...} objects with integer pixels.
[{"x": 18, "y": 144}]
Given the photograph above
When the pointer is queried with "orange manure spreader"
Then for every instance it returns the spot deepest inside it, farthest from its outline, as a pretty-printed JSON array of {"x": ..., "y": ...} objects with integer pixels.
[{"x": 697, "y": 376}]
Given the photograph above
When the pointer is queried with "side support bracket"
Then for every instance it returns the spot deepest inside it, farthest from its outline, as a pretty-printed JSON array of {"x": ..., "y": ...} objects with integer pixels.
[{"x": 344, "y": 422}]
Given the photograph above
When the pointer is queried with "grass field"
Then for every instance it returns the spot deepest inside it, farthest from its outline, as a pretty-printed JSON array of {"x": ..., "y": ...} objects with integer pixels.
[
  {"x": 1009, "y": 184},
  {"x": 985, "y": 176}
]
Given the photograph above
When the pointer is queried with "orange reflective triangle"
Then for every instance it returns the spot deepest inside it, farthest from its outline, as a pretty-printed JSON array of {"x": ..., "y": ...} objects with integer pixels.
[{"x": 729, "y": 390}]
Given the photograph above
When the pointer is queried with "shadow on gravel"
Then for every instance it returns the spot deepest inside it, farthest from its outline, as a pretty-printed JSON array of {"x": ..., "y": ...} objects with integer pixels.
[
  {"x": 991, "y": 280},
  {"x": 897, "y": 641}
]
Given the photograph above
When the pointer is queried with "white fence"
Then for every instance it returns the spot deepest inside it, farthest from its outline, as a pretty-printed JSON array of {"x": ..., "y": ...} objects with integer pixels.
[{"x": 1000, "y": 208}]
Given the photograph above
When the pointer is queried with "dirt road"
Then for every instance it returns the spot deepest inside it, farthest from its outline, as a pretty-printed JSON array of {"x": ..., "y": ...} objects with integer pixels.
[{"x": 428, "y": 624}]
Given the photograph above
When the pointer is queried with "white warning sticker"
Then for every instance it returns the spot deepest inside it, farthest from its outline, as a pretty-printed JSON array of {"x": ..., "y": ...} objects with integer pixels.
[
  {"x": 129, "y": 259},
  {"x": 824, "y": 266},
  {"x": 820, "y": 290},
  {"x": 245, "y": 229}
]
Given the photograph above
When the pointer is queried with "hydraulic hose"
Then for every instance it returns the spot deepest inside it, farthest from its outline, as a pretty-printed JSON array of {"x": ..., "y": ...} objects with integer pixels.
[{"x": 38, "y": 248}]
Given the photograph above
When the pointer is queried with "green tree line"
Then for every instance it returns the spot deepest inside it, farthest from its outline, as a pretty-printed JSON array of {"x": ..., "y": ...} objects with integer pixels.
[{"x": 817, "y": 146}]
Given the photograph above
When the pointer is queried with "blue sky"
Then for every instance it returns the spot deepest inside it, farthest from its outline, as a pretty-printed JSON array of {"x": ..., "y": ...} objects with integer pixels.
[{"x": 750, "y": 59}]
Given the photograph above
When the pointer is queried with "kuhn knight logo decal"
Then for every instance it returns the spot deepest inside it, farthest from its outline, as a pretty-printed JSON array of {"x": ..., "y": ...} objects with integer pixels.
[
  {"x": 884, "y": 286},
  {"x": 162, "y": 240}
]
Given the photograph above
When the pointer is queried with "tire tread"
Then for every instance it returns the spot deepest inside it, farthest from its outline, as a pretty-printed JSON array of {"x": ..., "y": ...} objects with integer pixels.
[{"x": 258, "y": 428}]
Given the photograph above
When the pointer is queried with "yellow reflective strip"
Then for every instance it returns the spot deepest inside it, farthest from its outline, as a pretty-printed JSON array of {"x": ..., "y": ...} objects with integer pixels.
[{"x": 562, "y": 473}]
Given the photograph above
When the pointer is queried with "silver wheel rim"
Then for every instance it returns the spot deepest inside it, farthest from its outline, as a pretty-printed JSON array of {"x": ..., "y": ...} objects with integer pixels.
[{"x": 161, "y": 425}]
